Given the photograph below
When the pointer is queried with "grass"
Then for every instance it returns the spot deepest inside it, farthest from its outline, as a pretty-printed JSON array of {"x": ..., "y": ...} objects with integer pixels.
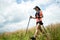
[{"x": 53, "y": 32}]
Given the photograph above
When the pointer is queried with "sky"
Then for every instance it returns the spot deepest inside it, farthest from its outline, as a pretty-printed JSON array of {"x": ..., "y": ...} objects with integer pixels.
[{"x": 14, "y": 14}]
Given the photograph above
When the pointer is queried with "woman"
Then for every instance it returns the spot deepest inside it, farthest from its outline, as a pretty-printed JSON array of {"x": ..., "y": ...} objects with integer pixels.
[{"x": 39, "y": 23}]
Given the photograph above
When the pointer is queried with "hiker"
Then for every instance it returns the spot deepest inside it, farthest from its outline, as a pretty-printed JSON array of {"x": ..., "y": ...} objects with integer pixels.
[{"x": 39, "y": 23}]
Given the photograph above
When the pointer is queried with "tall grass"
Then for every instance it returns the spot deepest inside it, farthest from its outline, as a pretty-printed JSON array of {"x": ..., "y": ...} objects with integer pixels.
[{"x": 53, "y": 32}]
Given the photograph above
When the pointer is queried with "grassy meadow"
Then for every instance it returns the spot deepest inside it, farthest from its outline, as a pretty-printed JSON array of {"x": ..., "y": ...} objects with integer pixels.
[{"x": 53, "y": 33}]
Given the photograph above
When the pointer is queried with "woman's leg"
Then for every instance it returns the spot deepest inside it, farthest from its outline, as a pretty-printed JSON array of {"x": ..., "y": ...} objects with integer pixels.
[
  {"x": 36, "y": 33},
  {"x": 37, "y": 30},
  {"x": 42, "y": 29},
  {"x": 45, "y": 32}
]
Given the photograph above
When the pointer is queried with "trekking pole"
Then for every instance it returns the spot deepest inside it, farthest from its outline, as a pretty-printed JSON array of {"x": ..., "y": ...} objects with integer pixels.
[{"x": 27, "y": 26}]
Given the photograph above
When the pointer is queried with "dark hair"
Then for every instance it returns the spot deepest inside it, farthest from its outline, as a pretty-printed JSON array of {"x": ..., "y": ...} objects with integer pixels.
[{"x": 37, "y": 7}]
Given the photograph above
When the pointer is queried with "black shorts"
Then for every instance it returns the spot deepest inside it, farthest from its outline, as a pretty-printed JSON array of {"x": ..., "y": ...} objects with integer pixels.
[{"x": 40, "y": 22}]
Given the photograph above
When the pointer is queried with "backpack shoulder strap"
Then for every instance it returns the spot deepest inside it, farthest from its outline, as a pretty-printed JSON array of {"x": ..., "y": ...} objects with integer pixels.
[
  {"x": 37, "y": 14},
  {"x": 41, "y": 14}
]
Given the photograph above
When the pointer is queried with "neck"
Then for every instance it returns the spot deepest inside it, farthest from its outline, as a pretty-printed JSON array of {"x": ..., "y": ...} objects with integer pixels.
[{"x": 38, "y": 11}]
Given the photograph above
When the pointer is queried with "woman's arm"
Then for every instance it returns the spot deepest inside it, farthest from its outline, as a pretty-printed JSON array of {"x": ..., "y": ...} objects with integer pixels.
[{"x": 32, "y": 17}]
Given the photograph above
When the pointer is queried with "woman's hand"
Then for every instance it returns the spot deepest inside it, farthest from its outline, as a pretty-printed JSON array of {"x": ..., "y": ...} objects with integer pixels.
[{"x": 31, "y": 17}]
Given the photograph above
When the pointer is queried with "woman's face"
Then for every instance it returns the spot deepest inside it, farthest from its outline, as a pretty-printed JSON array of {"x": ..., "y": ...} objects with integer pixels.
[{"x": 36, "y": 9}]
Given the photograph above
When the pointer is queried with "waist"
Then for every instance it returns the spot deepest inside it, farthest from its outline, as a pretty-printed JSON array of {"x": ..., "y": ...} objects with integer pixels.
[{"x": 38, "y": 19}]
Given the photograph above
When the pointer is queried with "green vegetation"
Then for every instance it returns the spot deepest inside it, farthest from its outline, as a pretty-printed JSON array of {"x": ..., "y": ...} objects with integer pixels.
[{"x": 53, "y": 32}]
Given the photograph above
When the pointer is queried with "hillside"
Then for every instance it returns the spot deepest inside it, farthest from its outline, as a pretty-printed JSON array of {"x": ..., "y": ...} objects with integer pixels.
[{"x": 53, "y": 32}]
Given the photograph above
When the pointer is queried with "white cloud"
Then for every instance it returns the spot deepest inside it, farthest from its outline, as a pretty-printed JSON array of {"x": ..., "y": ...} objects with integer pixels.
[
  {"x": 2, "y": 20},
  {"x": 22, "y": 9},
  {"x": 20, "y": 12},
  {"x": 52, "y": 14},
  {"x": 17, "y": 26},
  {"x": 5, "y": 3}
]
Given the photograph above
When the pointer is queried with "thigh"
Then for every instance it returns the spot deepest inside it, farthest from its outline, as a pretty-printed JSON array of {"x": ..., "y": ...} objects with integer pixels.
[{"x": 38, "y": 26}]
